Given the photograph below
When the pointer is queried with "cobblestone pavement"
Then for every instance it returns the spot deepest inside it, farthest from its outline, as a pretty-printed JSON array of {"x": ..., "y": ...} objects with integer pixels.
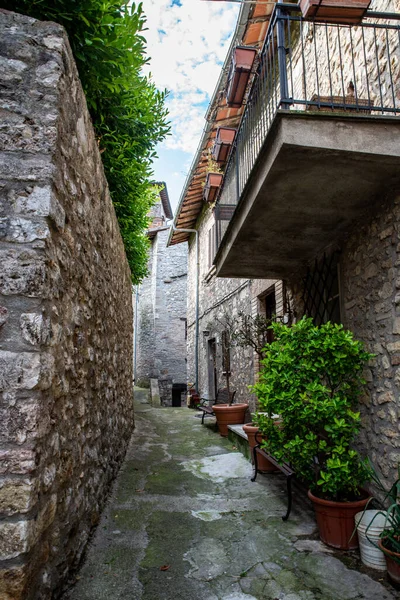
[{"x": 184, "y": 522}]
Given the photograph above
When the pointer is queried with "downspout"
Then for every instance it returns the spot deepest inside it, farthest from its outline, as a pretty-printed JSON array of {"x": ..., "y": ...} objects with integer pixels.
[
  {"x": 196, "y": 344},
  {"x": 135, "y": 333}
]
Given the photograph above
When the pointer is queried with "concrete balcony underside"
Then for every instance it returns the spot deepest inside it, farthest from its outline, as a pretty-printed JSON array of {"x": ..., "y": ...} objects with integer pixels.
[{"x": 316, "y": 179}]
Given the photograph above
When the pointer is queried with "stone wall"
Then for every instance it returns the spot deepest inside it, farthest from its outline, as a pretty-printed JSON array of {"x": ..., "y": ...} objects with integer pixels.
[
  {"x": 161, "y": 343},
  {"x": 370, "y": 265},
  {"x": 65, "y": 316},
  {"x": 219, "y": 297}
]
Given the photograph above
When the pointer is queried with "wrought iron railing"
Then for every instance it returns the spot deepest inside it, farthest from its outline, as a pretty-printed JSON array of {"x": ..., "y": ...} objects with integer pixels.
[{"x": 309, "y": 66}]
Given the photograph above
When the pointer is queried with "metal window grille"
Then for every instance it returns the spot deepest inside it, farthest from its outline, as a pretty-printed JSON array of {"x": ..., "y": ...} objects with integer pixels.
[{"x": 321, "y": 295}]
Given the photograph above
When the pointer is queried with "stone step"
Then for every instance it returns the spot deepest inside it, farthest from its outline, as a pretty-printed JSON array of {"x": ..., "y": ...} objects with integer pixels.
[{"x": 239, "y": 438}]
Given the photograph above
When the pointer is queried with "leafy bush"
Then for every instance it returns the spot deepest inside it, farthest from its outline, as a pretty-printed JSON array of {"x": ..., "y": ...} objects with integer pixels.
[
  {"x": 127, "y": 110},
  {"x": 312, "y": 377},
  {"x": 391, "y": 500}
]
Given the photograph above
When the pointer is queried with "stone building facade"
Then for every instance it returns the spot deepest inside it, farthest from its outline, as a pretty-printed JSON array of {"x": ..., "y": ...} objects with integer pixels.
[
  {"x": 351, "y": 275},
  {"x": 220, "y": 301},
  {"x": 65, "y": 316},
  {"x": 161, "y": 311}
]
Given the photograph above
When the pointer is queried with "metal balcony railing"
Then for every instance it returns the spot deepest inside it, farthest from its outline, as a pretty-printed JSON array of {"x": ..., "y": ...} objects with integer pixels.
[{"x": 309, "y": 66}]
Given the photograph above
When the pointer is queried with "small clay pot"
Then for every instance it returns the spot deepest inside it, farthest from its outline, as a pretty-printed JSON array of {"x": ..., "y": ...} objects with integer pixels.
[
  {"x": 263, "y": 464},
  {"x": 229, "y": 414},
  {"x": 336, "y": 521},
  {"x": 393, "y": 567}
]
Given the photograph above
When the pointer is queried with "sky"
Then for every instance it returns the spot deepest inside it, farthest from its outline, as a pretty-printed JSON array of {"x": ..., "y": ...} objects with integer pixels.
[{"x": 187, "y": 41}]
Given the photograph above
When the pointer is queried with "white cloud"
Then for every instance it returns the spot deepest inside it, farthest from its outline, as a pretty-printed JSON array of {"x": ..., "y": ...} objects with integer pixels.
[{"x": 187, "y": 43}]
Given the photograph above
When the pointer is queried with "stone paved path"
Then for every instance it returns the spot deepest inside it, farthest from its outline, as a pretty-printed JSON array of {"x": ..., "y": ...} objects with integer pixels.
[{"x": 184, "y": 522}]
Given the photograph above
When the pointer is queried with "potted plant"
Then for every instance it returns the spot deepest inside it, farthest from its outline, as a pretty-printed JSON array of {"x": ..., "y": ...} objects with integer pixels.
[
  {"x": 389, "y": 542},
  {"x": 312, "y": 376},
  {"x": 248, "y": 331},
  {"x": 213, "y": 180}
]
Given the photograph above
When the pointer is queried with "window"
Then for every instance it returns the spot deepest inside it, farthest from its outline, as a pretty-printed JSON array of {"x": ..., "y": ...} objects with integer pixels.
[
  {"x": 270, "y": 312},
  {"x": 212, "y": 245},
  {"x": 321, "y": 294}
]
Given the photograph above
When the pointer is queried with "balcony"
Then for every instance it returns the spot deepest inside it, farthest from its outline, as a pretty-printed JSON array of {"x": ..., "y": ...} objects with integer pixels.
[{"x": 318, "y": 145}]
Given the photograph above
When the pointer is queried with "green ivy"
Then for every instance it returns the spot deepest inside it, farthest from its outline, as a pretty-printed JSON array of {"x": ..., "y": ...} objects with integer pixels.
[
  {"x": 127, "y": 110},
  {"x": 312, "y": 378}
]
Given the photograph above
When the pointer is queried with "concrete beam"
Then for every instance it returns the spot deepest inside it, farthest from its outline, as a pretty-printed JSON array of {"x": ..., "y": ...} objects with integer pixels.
[{"x": 316, "y": 178}]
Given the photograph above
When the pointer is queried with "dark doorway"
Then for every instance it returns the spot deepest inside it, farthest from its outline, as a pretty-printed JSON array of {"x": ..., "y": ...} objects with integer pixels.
[{"x": 177, "y": 391}]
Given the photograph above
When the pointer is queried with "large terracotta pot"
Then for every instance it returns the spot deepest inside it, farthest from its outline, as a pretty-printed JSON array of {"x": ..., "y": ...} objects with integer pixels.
[
  {"x": 229, "y": 414},
  {"x": 393, "y": 567},
  {"x": 336, "y": 521},
  {"x": 264, "y": 465}
]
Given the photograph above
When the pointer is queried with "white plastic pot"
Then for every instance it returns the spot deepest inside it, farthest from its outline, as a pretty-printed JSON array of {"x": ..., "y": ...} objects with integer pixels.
[{"x": 371, "y": 555}]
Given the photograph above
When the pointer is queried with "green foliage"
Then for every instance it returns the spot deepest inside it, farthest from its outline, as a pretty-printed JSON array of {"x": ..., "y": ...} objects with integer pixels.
[
  {"x": 127, "y": 110},
  {"x": 391, "y": 533},
  {"x": 246, "y": 331},
  {"x": 312, "y": 377}
]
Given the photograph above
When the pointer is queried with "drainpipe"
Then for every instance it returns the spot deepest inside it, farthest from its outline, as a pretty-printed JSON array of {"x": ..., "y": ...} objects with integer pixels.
[
  {"x": 135, "y": 333},
  {"x": 196, "y": 346}
]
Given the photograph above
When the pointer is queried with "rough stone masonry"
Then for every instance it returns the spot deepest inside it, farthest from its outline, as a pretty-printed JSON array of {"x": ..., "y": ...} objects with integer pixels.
[{"x": 65, "y": 316}]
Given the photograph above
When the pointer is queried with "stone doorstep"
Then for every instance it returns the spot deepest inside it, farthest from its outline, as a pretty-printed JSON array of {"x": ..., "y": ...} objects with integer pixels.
[{"x": 238, "y": 430}]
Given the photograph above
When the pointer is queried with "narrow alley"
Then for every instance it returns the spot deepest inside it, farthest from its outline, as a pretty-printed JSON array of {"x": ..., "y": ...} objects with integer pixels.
[{"x": 184, "y": 522}]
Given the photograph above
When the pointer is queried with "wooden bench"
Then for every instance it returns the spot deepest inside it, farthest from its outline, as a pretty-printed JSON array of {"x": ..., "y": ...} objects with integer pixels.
[
  {"x": 223, "y": 397},
  {"x": 284, "y": 468}
]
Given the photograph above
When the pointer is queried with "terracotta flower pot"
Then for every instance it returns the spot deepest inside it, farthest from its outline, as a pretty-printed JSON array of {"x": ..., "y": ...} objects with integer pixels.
[
  {"x": 227, "y": 414},
  {"x": 336, "y": 521},
  {"x": 333, "y": 11},
  {"x": 242, "y": 63},
  {"x": 393, "y": 567},
  {"x": 223, "y": 143},
  {"x": 212, "y": 185},
  {"x": 263, "y": 463}
]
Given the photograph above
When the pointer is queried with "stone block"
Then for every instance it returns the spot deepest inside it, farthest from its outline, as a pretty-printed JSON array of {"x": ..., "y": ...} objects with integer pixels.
[
  {"x": 13, "y": 582},
  {"x": 19, "y": 370},
  {"x": 20, "y": 422},
  {"x": 39, "y": 201},
  {"x": 14, "y": 539},
  {"x": 393, "y": 347},
  {"x": 22, "y": 272},
  {"x": 15, "y": 496},
  {"x": 25, "y": 167},
  {"x": 34, "y": 328},
  {"x": 20, "y": 230},
  {"x": 17, "y": 461},
  {"x": 385, "y": 397},
  {"x": 386, "y": 291}
]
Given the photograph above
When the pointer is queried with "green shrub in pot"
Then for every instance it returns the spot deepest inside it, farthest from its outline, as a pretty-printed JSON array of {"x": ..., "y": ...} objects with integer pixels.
[{"x": 312, "y": 377}]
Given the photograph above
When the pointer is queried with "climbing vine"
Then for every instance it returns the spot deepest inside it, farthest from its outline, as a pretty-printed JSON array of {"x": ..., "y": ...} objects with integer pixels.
[{"x": 127, "y": 110}]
